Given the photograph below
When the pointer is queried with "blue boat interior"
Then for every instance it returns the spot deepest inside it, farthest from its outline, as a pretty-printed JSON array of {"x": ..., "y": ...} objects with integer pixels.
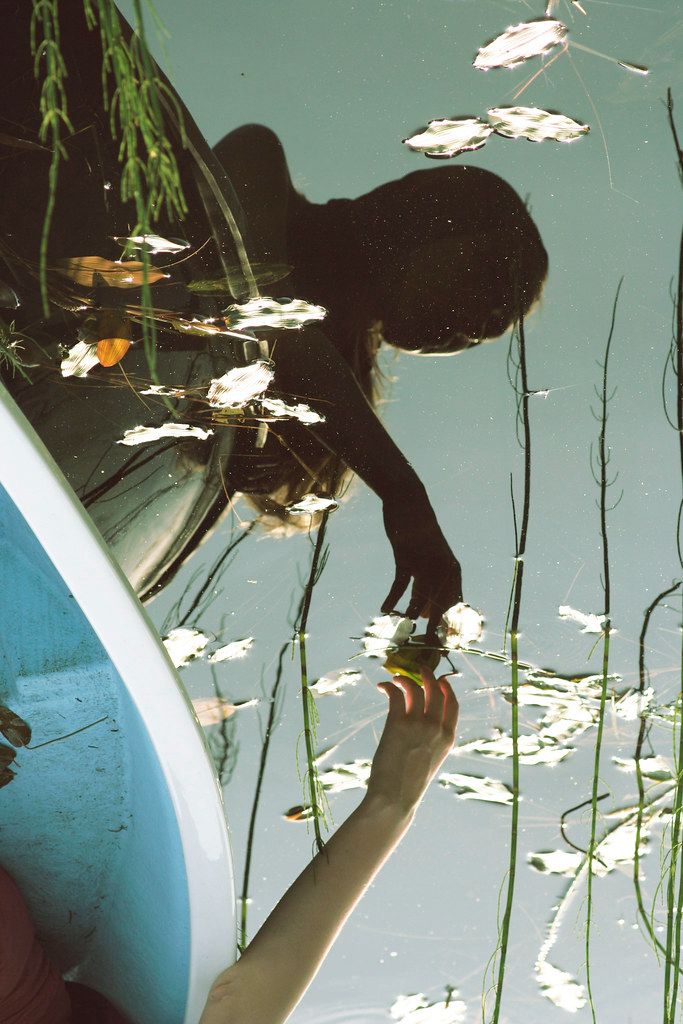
[{"x": 88, "y": 828}]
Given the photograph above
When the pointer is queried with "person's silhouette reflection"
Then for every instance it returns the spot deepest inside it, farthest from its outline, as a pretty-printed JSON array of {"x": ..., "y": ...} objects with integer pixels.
[{"x": 434, "y": 264}]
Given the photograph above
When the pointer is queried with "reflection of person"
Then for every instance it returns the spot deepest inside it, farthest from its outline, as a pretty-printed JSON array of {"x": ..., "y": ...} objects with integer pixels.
[
  {"x": 292, "y": 944},
  {"x": 434, "y": 263}
]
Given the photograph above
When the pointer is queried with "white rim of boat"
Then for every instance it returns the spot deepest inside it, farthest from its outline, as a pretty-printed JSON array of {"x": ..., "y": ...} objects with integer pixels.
[{"x": 41, "y": 493}]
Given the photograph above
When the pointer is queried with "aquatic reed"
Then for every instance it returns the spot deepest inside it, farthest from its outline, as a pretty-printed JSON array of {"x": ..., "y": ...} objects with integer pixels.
[{"x": 521, "y": 386}]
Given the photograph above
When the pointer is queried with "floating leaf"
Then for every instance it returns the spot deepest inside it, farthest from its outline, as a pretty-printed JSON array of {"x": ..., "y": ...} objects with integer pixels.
[
  {"x": 164, "y": 390},
  {"x": 416, "y": 1009},
  {"x": 335, "y": 682},
  {"x": 444, "y": 138},
  {"x": 560, "y": 987},
  {"x": 302, "y": 812},
  {"x": 460, "y": 626},
  {"x": 310, "y": 504},
  {"x": 520, "y": 42},
  {"x": 556, "y": 862},
  {"x": 300, "y": 411},
  {"x": 531, "y": 746},
  {"x": 7, "y": 755},
  {"x": 407, "y": 659},
  {"x": 152, "y": 243},
  {"x": 618, "y": 847},
  {"x": 16, "y": 143},
  {"x": 87, "y": 271},
  {"x": 79, "y": 360},
  {"x": 264, "y": 273},
  {"x": 476, "y": 787},
  {"x": 15, "y": 730},
  {"x": 385, "y": 633},
  {"x": 240, "y": 385},
  {"x": 6, "y": 776},
  {"x": 266, "y": 312},
  {"x": 184, "y": 645},
  {"x": 634, "y": 704},
  {"x": 8, "y": 297},
  {"x": 214, "y": 710},
  {"x": 143, "y": 435},
  {"x": 650, "y": 767},
  {"x": 340, "y": 777},
  {"x": 535, "y": 124},
  {"x": 111, "y": 351},
  {"x": 231, "y": 651},
  {"x": 113, "y": 338},
  {"x": 637, "y": 69},
  {"x": 591, "y": 623}
]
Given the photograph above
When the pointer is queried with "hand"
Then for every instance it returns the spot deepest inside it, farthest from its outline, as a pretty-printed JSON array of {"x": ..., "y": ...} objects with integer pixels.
[
  {"x": 421, "y": 553},
  {"x": 418, "y": 734}
]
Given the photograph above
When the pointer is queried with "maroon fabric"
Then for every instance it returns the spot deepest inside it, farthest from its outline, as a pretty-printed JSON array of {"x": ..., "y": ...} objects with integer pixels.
[{"x": 32, "y": 990}]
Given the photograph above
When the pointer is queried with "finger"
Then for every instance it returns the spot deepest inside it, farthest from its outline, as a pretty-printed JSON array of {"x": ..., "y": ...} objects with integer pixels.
[
  {"x": 418, "y": 601},
  {"x": 451, "y": 708},
  {"x": 398, "y": 588},
  {"x": 415, "y": 698},
  {"x": 434, "y": 696},
  {"x": 397, "y": 703}
]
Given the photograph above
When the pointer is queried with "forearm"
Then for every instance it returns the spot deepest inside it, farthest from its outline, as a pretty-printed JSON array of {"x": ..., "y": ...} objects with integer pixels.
[
  {"x": 265, "y": 985},
  {"x": 309, "y": 366}
]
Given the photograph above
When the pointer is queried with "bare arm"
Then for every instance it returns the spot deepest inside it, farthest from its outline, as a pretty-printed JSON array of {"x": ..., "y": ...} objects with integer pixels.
[
  {"x": 265, "y": 985},
  {"x": 310, "y": 366}
]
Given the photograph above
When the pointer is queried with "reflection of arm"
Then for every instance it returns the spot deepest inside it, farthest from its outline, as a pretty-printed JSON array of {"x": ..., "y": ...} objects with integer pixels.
[
  {"x": 277, "y": 967},
  {"x": 307, "y": 364}
]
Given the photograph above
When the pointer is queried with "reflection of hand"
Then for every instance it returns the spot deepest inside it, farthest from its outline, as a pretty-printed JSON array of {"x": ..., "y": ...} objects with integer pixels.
[
  {"x": 421, "y": 553},
  {"x": 418, "y": 734}
]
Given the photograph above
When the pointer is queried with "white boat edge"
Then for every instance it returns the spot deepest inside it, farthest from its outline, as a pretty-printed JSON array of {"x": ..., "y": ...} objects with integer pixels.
[{"x": 36, "y": 485}]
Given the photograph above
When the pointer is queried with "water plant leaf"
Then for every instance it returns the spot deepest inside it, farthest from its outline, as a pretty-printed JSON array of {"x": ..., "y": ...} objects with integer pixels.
[
  {"x": 618, "y": 848},
  {"x": 443, "y": 138},
  {"x": 214, "y": 710},
  {"x": 385, "y": 633},
  {"x": 87, "y": 271},
  {"x": 633, "y": 704},
  {"x": 301, "y": 812},
  {"x": 232, "y": 651},
  {"x": 556, "y": 862},
  {"x": 15, "y": 730},
  {"x": 310, "y": 504},
  {"x": 460, "y": 626},
  {"x": 335, "y": 682},
  {"x": 17, "y": 143},
  {"x": 535, "y": 124},
  {"x": 521, "y": 42},
  {"x": 7, "y": 755},
  {"x": 407, "y": 659},
  {"x": 164, "y": 390},
  {"x": 80, "y": 359},
  {"x": 477, "y": 787},
  {"x": 654, "y": 767},
  {"x": 591, "y": 622},
  {"x": 184, "y": 645},
  {"x": 240, "y": 385},
  {"x": 300, "y": 411},
  {"x": 6, "y": 776},
  {"x": 264, "y": 273},
  {"x": 340, "y": 777},
  {"x": 144, "y": 435},
  {"x": 531, "y": 746},
  {"x": 416, "y": 1009},
  {"x": 111, "y": 351},
  {"x": 637, "y": 69},
  {"x": 152, "y": 244},
  {"x": 8, "y": 297},
  {"x": 266, "y": 312},
  {"x": 560, "y": 987}
]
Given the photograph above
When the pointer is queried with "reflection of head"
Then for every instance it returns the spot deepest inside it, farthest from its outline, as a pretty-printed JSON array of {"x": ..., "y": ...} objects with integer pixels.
[{"x": 452, "y": 257}]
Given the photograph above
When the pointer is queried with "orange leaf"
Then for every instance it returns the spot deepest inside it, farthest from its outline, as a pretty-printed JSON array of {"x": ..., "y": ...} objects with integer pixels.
[
  {"x": 90, "y": 270},
  {"x": 111, "y": 351},
  {"x": 13, "y": 728}
]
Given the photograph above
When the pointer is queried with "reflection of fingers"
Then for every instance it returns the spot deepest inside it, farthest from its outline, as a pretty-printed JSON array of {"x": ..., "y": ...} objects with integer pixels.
[
  {"x": 415, "y": 698},
  {"x": 398, "y": 587},
  {"x": 417, "y": 604}
]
